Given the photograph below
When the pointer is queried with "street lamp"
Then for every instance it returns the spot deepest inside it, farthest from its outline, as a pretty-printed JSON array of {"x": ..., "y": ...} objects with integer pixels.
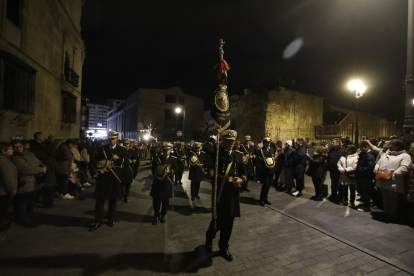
[
  {"x": 359, "y": 89},
  {"x": 179, "y": 110}
]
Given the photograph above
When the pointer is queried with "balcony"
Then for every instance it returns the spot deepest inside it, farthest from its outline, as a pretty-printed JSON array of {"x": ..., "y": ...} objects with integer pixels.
[{"x": 72, "y": 77}]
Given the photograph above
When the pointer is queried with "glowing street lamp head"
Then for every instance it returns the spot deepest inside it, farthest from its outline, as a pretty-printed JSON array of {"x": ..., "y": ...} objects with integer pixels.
[
  {"x": 178, "y": 110},
  {"x": 357, "y": 87},
  {"x": 146, "y": 137}
]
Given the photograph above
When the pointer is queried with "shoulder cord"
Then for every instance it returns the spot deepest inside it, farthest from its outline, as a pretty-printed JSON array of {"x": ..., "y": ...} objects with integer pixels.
[{"x": 224, "y": 181}]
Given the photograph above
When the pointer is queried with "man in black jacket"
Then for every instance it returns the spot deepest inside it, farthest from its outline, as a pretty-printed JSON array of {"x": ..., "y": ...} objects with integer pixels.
[
  {"x": 197, "y": 161},
  {"x": 335, "y": 153},
  {"x": 298, "y": 162},
  {"x": 164, "y": 166},
  {"x": 365, "y": 175},
  {"x": 181, "y": 155},
  {"x": 231, "y": 175},
  {"x": 135, "y": 154},
  {"x": 266, "y": 173},
  {"x": 127, "y": 170},
  {"x": 248, "y": 151}
]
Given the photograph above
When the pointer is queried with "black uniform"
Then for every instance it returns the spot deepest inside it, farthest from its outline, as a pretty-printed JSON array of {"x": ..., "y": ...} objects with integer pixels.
[
  {"x": 196, "y": 174},
  {"x": 266, "y": 175},
  {"x": 134, "y": 155},
  {"x": 228, "y": 206},
  {"x": 109, "y": 182},
  {"x": 127, "y": 174},
  {"x": 249, "y": 166},
  {"x": 180, "y": 154},
  {"x": 209, "y": 160},
  {"x": 162, "y": 190}
]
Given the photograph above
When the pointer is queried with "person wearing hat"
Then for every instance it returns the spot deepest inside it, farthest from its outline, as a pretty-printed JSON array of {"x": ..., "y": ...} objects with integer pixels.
[
  {"x": 209, "y": 160},
  {"x": 266, "y": 173},
  {"x": 196, "y": 174},
  {"x": 287, "y": 168},
  {"x": 248, "y": 151},
  {"x": 109, "y": 185},
  {"x": 164, "y": 166},
  {"x": 231, "y": 174},
  {"x": 181, "y": 155},
  {"x": 134, "y": 153},
  {"x": 127, "y": 171}
]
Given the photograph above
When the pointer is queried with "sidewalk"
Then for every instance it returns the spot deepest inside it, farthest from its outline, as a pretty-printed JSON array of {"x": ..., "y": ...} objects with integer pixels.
[{"x": 265, "y": 241}]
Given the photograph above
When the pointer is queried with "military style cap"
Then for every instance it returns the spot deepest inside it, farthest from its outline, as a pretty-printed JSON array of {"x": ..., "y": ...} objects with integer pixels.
[
  {"x": 197, "y": 145},
  {"x": 247, "y": 138},
  {"x": 229, "y": 134},
  {"x": 125, "y": 141},
  {"x": 113, "y": 134},
  {"x": 267, "y": 139},
  {"x": 182, "y": 144},
  {"x": 167, "y": 146}
]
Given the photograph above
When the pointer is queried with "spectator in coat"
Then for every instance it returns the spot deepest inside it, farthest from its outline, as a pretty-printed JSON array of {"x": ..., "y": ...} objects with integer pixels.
[
  {"x": 347, "y": 166},
  {"x": 298, "y": 162},
  {"x": 335, "y": 153},
  {"x": 364, "y": 176},
  {"x": 395, "y": 161},
  {"x": 316, "y": 170},
  {"x": 64, "y": 169},
  {"x": 29, "y": 168},
  {"x": 287, "y": 167},
  {"x": 38, "y": 146},
  {"x": 8, "y": 183}
]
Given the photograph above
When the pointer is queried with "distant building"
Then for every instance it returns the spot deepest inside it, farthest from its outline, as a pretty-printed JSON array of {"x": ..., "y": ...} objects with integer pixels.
[
  {"x": 94, "y": 119},
  {"x": 157, "y": 108},
  {"x": 41, "y": 58}
]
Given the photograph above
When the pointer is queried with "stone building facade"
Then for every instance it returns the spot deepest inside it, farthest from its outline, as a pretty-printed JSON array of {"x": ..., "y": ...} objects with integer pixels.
[
  {"x": 157, "y": 107},
  {"x": 275, "y": 112},
  {"x": 41, "y": 58}
]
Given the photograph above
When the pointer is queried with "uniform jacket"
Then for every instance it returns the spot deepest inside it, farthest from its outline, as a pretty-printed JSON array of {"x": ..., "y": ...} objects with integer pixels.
[
  {"x": 28, "y": 166},
  {"x": 180, "y": 153},
  {"x": 229, "y": 204},
  {"x": 267, "y": 152},
  {"x": 8, "y": 176},
  {"x": 127, "y": 167},
  {"x": 209, "y": 160},
  {"x": 348, "y": 164},
  {"x": 399, "y": 162},
  {"x": 248, "y": 149},
  {"x": 196, "y": 172},
  {"x": 162, "y": 189},
  {"x": 317, "y": 165}
]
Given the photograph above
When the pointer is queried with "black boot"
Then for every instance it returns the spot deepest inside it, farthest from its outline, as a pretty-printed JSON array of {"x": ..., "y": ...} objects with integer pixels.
[
  {"x": 225, "y": 254},
  {"x": 209, "y": 245},
  {"x": 155, "y": 220}
]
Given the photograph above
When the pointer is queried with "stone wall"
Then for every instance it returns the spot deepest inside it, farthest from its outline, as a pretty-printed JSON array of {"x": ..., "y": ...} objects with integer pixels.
[{"x": 48, "y": 31}]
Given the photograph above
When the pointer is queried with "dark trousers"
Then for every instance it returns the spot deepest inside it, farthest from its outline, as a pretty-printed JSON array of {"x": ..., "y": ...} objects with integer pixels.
[
  {"x": 225, "y": 226},
  {"x": 4, "y": 200},
  {"x": 343, "y": 192},
  {"x": 366, "y": 187},
  {"x": 244, "y": 185},
  {"x": 126, "y": 186},
  {"x": 267, "y": 180},
  {"x": 334, "y": 182},
  {"x": 24, "y": 204},
  {"x": 178, "y": 176},
  {"x": 99, "y": 208},
  {"x": 47, "y": 194},
  {"x": 156, "y": 204},
  {"x": 135, "y": 169},
  {"x": 317, "y": 183},
  {"x": 195, "y": 188},
  {"x": 300, "y": 184},
  {"x": 277, "y": 175},
  {"x": 63, "y": 180}
]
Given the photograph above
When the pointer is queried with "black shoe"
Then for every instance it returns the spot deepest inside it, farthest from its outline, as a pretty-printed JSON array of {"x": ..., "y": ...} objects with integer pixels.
[
  {"x": 226, "y": 255},
  {"x": 319, "y": 198},
  {"x": 267, "y": 202},
  {"x": 95, "y": 226},
  {"x": 126, "y": 200},
  {"x": 288, "y": 191},
  {"x": 247, "y": 190},
  {"x": 197, "y": 196},
  {"x": 155, "y": 221},
  {"x": 241, "y": 191},
  {"x": 192, "y": 198},
  {"x": 111, "y": 224},
  {"x": 209, "y": 245},
  {"x": 297, "y": 194},
  {"x": 5, "y": 226},
  {"x": 163, "y": 220},
  {"x": 51, "y": 206},
  {"x": 313, "y": 197},
  {"x": 262, "y": 204},
  {"x": 344, "y": 203}
]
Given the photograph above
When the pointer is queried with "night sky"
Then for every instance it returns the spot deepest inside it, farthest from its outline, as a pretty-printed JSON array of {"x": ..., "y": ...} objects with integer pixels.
[{"x": 134, "y": 44}]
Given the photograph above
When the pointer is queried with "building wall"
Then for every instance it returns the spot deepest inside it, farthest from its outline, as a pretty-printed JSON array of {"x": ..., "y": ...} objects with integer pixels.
[{"x": 47, "y": 31}]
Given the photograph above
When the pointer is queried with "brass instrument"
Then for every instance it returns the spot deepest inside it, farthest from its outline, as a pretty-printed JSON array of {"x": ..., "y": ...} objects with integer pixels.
[
  {"x": 194, "y": 161},
  {"x": 163, "y": 170},
  {"x": 269, "y": 162}
]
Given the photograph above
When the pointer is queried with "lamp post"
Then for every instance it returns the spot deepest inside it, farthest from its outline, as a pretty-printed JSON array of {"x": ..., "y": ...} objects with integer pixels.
[
  {"x": 359, "y": 90},
  {"x": 409, "y": 78},
  {"x": 178, "y": 110}
]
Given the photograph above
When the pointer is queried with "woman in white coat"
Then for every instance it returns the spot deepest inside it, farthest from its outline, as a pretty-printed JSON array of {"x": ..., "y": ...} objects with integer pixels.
[
  {"x": 347, "y": 166},
  {"x": 396, "y": 161}
]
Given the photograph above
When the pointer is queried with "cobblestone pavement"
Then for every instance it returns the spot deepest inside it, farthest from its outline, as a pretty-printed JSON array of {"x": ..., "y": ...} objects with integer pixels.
[{"x": 265, "y": 241}]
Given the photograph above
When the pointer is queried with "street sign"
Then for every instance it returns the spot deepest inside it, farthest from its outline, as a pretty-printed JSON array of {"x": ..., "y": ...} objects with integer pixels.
[{"x": 179, "y": 133}]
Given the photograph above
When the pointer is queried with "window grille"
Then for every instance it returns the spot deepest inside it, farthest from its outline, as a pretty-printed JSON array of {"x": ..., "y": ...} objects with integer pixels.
[
  {"x": 69, "y": 107},
  {"x": 19, "y": 82}
]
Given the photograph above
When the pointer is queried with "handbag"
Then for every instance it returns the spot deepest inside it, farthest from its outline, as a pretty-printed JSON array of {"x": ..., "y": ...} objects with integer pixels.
[
  {"x": 351, "y": 175},
  {"x": 386, "y": 175}
]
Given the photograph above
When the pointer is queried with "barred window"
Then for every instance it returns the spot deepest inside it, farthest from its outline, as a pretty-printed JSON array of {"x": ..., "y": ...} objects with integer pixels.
[
  {"x": 69, "y": 107},
  {"x": 19, "y": 79},
  {"x": 13, "y": 10}
]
